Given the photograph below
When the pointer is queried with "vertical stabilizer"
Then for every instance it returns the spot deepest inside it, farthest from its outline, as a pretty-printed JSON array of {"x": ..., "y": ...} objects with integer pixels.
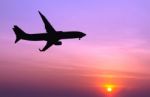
[{"x": 19, "y": 33}]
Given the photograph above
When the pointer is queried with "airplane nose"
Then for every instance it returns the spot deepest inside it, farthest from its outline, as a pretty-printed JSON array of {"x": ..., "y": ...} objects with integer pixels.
[{"x": 83, "y": 34}]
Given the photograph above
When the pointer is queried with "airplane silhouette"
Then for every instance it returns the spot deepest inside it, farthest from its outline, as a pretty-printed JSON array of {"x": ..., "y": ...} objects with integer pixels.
[{"x": 52, "y": 36}]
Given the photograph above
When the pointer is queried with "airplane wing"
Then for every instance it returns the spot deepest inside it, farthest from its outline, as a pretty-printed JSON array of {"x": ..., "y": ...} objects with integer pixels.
[
  {"x": 48, "y": 26},
  {"x": 48, "y": 44}
]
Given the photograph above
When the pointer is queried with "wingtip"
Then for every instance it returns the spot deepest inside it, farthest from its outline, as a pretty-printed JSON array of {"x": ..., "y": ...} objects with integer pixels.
[
  {"x": 15, "y": 26},
  {"x": 41, "y": 50},
  {"x": 39, "y": 12}
]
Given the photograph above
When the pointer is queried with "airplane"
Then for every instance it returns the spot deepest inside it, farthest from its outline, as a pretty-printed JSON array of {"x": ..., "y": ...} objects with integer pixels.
[{"x": 52, "y": 36}]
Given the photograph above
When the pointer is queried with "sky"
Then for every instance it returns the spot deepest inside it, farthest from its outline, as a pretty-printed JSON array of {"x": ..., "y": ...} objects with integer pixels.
[{"x": 115, "y": 52}]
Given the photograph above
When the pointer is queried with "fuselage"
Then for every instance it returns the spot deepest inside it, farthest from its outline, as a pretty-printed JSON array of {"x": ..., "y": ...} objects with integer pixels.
[{"x": 54, "y": 36}]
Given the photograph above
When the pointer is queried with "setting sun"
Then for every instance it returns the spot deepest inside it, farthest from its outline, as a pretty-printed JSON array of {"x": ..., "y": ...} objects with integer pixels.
[{"x": 109, "y": 89}]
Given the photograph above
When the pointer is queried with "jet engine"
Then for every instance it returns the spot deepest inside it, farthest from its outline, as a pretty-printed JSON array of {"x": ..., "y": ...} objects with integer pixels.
[{"x": 58, "y": 43}]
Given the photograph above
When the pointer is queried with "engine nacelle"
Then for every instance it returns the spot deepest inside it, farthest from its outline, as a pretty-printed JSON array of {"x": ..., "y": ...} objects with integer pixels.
[{"x": 58, "y": 43}]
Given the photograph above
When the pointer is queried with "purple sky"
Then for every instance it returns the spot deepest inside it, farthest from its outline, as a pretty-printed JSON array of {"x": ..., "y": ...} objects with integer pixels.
[{"x": 115, "y": 50}]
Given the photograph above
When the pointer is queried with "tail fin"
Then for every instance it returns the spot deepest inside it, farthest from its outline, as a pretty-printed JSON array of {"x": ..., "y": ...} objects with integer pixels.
[{"x": 19, "y": 33}]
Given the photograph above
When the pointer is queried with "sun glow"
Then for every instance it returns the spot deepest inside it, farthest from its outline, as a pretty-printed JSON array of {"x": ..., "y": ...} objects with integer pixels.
[{"x": 109, "y": 87}]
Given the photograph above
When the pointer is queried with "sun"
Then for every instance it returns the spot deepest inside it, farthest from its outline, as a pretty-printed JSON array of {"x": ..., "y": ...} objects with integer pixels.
[{"x": 109, "y": 89}]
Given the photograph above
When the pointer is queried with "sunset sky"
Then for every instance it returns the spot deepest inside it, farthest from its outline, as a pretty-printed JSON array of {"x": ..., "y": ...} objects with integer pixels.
[{"x": 114, "y": 54}]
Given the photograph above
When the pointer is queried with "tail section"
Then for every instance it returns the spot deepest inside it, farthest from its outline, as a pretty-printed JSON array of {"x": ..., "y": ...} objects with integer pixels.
[{"x": 19, "y": 33}]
